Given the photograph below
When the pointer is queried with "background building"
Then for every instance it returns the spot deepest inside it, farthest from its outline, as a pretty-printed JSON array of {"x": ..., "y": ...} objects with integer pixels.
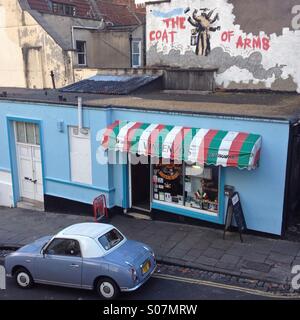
[
  {"x": 253, "y": 44},
  {"x": 43, "y": 38}
]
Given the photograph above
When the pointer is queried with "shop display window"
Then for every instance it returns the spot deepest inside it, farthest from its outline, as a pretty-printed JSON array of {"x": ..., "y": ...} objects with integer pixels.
[
  {"x": 201, "y": 187},
  {"x": 168, "y": 183},
  {"x": 187, "y": 185}
]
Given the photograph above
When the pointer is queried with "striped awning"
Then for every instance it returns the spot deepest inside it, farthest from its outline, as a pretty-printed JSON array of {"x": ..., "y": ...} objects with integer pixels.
[{"x": 212, "y": 147}]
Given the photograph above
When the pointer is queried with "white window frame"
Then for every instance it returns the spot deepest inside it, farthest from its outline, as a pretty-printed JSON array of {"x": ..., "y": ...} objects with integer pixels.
[
  {"x": 84, "y": 53},
  {"x": 37, "y": 138},
  {"x": 134, "y": 53}
]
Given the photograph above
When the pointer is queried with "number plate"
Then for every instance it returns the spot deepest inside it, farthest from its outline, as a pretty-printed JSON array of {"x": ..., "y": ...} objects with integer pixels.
[{"x": 146, "y": 267}]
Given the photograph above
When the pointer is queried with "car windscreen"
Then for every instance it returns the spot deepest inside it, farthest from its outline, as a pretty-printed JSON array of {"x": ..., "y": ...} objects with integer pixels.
[{"x": 110, "y": 239}]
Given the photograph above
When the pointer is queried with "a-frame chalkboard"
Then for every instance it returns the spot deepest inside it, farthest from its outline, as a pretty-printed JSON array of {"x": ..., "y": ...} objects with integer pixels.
[{"x": 235, "y": 210}]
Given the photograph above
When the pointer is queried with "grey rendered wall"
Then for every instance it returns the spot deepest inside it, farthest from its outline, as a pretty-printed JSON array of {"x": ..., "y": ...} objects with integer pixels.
[
  {"x": 109, "y": 48},
  {"x": 255, "y": 44}
]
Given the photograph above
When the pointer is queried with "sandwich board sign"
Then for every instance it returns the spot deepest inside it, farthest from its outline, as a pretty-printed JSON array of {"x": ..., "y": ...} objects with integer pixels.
[{"x": 235, "y": 211}]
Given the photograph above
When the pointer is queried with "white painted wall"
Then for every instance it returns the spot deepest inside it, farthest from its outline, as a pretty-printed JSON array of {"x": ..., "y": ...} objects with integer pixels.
[{"x": 6, "y": 193}]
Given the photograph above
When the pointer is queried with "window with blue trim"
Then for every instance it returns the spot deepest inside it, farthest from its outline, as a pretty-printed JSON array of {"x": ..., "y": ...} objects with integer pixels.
[{"x": 188, "y": 185}]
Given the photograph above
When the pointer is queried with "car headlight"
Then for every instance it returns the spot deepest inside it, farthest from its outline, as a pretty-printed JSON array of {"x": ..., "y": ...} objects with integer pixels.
[{"x": 133, "y": 274}]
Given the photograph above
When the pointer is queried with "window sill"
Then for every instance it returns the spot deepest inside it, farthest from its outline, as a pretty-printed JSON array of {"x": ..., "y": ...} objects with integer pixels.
[{"x": 199, "y": 211}]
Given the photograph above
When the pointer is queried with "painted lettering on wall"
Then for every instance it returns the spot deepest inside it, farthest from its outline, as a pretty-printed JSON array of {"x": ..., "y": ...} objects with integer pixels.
[
  {"x": 296, "y": 20},
  {"x": 171, "y": 27},
  {"x": 262, "y": 43}
]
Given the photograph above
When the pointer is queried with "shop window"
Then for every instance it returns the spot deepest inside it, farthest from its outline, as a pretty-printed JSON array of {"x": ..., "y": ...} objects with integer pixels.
[
  {"x": 168, "y": 183},
  {"x": 28, "y": 133},
  {"x": 81, "y": 53},
  {"x": 187, "y": 185},
  {"x": 201, "y": 187}
]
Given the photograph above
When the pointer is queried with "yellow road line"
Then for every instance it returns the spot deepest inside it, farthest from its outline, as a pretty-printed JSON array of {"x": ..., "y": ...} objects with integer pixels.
[{"x": 225, "y": 286}]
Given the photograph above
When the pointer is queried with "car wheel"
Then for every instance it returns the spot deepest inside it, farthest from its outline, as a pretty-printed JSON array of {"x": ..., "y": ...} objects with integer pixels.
[
  {"x": 23, "y": 278},
  {"x": 107, "y": 289}
]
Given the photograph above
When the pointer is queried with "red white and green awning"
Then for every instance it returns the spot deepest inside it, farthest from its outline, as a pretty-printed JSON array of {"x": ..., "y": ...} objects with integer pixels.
[{"x": 212, "y": 147}]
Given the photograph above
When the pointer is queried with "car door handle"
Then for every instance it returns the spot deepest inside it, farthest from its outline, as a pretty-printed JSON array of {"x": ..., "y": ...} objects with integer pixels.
[{"x": 74, "y": 265}]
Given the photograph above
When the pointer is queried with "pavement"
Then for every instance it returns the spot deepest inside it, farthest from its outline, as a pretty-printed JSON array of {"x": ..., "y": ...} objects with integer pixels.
[{"x": 262, "y": 259}]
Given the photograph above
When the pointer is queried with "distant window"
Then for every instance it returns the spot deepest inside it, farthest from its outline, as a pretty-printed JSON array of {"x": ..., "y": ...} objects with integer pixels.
[
  {"x": 136, "y": 53},
  {"x": 64, "y": 9},
  {"x": 81, "y": 53},
  {"x": 70, "y": 10},
  {"x": 58, "y": 8}
]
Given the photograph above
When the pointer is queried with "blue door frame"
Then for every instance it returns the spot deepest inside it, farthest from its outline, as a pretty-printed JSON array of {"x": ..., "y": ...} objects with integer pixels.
[{"x": 10, "y": 120}]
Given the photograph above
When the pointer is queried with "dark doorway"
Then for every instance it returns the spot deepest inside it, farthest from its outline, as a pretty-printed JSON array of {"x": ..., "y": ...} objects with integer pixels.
[{"x": 140, "y": 185}]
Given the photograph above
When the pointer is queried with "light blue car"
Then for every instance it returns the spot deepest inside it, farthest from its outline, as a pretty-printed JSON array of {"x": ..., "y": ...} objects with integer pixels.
[{"x": 91, "y": 256}]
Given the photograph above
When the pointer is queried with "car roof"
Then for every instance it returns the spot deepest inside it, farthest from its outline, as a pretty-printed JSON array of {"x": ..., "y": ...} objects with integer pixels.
[{"x": 87, "y": 229}]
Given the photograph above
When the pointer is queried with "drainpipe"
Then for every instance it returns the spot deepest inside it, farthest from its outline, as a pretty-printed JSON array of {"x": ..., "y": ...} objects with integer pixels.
[
  {"x": 130, "y": 43},
  {"x": 53, "y": 79},
  {"x": 80, "y": 115}
]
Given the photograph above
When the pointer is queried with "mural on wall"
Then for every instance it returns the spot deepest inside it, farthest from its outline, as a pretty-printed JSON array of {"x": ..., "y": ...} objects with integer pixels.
[
  {"x": 251, "y": 49},
  {"x": 203, "y": 22}
]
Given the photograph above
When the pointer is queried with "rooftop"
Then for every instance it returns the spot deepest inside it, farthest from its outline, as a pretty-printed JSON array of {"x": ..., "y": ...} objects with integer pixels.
[
  {"x": 116, "y": 12},
  {"x": 266, "y": 105},
  {"x": 109, "y": 84}
]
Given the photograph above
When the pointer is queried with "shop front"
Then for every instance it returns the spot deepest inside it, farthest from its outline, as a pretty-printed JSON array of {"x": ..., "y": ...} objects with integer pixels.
[{"x": 180, "y": 169}]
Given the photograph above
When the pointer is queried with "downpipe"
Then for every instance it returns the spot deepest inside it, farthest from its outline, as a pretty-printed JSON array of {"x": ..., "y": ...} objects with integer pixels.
[{"x": 80, "y": 114}]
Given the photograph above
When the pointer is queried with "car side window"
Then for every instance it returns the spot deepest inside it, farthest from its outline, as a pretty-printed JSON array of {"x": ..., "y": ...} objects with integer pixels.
[{"x": 64, "y": 247}]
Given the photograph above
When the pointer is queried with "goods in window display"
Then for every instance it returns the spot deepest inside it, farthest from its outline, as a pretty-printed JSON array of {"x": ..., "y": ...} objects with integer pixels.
[
  {"x": 168, "y": 197},
  {"x": 186, "y": 185},
  {"x": 161, "y": 196}
]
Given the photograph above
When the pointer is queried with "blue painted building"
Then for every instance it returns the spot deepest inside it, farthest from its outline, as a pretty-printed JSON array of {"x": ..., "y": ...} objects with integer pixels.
[{"x": 51, "y": 151}]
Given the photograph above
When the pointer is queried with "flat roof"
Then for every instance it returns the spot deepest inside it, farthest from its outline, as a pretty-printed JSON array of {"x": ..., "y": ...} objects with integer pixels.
[{"x": 264, "y": 105}]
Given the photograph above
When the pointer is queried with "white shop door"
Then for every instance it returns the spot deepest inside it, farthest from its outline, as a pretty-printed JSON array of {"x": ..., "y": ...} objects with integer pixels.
[{"x": 29, "y": 162}]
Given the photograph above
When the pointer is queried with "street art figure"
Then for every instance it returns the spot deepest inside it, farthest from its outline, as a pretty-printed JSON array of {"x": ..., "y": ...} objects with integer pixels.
[{"x": 202, "y": 21}]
